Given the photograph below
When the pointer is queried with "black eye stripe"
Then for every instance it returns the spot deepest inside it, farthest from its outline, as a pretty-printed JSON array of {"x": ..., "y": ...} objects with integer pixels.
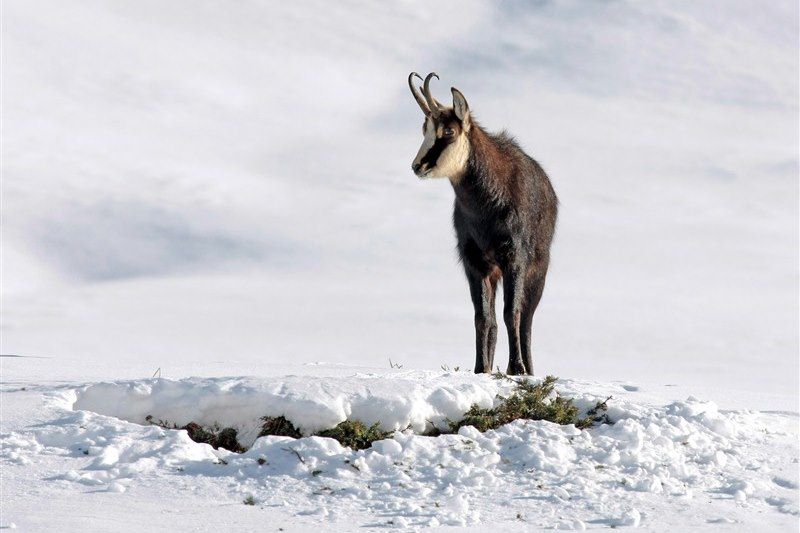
[{"x": 436, "y": 150}]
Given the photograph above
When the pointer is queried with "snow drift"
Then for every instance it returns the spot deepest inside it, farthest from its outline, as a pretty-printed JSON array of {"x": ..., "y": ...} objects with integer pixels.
[{"x": 653, "y": 460}]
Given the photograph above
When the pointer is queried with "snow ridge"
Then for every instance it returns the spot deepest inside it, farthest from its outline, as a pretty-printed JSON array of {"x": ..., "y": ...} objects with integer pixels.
[{"x": 652, "y": 460}]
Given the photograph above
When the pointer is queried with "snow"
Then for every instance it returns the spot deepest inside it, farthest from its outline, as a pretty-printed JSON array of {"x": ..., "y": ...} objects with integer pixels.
[
  {"x": 222, "y": 196},
  {"x": 414, "y": 400},
  {"x": 653, "y": 461}
]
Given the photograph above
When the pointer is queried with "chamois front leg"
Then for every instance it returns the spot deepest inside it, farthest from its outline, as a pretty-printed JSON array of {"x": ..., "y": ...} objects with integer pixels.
[
  {"x": 513, "y": 296},
  {"x": 482, "y": 288}
]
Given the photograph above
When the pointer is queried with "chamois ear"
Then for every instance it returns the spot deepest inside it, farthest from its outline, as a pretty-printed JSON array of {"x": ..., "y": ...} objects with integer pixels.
[{"x": 460, "y": 107}]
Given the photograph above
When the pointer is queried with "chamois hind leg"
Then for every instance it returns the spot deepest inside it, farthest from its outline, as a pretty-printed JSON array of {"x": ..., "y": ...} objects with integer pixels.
[
  {"x": 533, "y": 295},
  {"x": 513, "y": 300}
]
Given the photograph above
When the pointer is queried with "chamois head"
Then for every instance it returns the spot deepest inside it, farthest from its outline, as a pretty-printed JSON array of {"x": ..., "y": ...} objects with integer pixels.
[{"x": 445, "y": 150}]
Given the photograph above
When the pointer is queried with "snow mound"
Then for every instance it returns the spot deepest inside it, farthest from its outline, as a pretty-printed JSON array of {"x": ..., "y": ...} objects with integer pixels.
[
  {"x": 653, "y": 459},
  {"x": 408, "y": 400}
]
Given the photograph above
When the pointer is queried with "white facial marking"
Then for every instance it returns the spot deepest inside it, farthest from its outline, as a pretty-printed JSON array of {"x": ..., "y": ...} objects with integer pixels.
[
  {"x": 427, "y": 143},
  {"x": 452, "y": 161}
]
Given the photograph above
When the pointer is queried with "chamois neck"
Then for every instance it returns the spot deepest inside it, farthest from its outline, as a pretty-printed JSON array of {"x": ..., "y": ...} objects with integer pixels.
[{"x": 486, "y": 167}]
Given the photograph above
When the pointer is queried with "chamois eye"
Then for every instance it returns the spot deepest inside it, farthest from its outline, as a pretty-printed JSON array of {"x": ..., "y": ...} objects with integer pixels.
[{"x": 449, "y": 132}]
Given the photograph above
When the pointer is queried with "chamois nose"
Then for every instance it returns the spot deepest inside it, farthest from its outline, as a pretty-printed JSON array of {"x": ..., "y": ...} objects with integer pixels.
[{"x": 415, "y": 167}]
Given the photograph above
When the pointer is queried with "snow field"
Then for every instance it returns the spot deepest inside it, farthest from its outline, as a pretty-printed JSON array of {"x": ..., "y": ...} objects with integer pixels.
[{"x": 726, "y": 466}]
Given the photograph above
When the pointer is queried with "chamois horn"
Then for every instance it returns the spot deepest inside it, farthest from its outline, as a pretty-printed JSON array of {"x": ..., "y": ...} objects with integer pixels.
[
  {"x": 426, "y": 90},
  {"x": 417, "y": 95}
]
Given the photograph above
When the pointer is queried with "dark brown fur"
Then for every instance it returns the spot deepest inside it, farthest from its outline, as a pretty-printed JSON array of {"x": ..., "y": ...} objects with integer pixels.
[{"x": 505, "y": 217}]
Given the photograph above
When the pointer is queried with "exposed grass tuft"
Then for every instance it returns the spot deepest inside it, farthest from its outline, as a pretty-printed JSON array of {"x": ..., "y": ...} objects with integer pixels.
[
  {"x": 279, "y": 426},
  {"x": 355, "y": 434},
  {"x": 530, "y": 402},
  {"x": 218, "y": 438},
  {"x": 249, "y": 500},
  {"x": 214, "y": 435},
  {"x": 352, "y": 433}
]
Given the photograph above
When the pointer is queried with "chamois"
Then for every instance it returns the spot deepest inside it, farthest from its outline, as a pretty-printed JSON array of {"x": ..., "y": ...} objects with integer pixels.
[{"x": 504, "y": 216}]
